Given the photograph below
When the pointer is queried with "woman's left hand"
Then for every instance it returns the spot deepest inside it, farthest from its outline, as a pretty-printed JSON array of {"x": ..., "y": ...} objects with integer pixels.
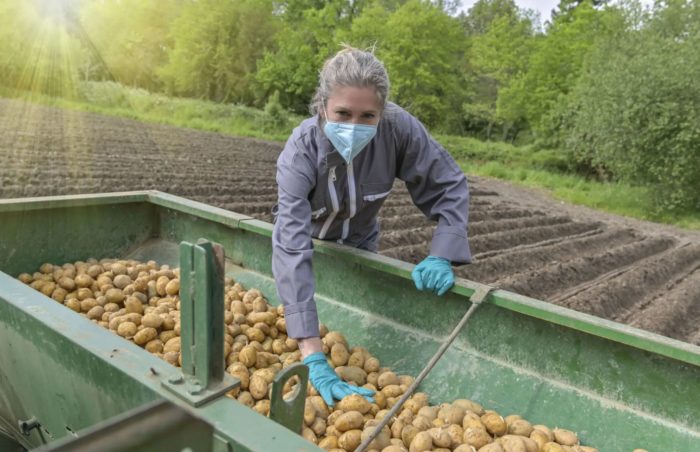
[{"x": 434, "y": 274}]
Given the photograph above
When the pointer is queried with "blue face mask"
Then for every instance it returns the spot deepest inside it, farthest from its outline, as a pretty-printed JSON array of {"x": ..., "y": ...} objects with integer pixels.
[{"x": 349, "y": 139}]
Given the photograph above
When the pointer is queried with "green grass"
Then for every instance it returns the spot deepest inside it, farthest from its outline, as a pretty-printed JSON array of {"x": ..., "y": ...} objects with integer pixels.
[
  {"x": 617, "y": 198},
  {"x": 116, "y": 100},
  {"x": 523, "y": 165}
]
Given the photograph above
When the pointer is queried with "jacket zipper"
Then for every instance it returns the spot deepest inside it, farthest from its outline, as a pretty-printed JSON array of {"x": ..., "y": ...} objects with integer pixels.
[
  {"x": 334, "y": 202},
  {"x": 353, "y": 202},
  {"x": 371, "y": 198}
]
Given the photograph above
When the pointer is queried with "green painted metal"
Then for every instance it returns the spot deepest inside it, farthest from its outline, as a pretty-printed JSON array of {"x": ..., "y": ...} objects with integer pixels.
[
  {"x": 202, "y": 377},
  {"x": 619, "y": 387},
  {"x": 154, "y": 427},
  {"x": 289, "y": 412}
]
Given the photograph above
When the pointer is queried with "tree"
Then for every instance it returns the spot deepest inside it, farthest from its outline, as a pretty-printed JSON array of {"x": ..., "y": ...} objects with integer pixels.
[
  {"x": 129, "y": 38},
  {"x": 501, "y": 41},
  {"x": 555, "y": 65},
  {"x": 37, "y": 53},
  {"x": 424, "y": 53},
  {"x": 216, "y": 46},
  {"x": 635, "y": 112},
  {"x": 291, "y": 69}
]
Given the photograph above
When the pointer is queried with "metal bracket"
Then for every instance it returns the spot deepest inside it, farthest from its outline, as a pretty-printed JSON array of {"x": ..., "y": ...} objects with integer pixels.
[
  {"x": 28, "y": 425},
  {"x": 480, "y": 293},
  {"x": 202, "y": 325},
  {"x": 289, "y": 413}
]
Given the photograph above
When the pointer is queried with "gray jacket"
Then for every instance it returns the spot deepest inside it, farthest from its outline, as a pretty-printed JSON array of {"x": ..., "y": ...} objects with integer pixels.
[{"x": 321, "y": 196}]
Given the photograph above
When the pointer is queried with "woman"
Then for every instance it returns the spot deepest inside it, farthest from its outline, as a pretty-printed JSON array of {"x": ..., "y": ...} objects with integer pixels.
[{"x": 335, "y": 172}]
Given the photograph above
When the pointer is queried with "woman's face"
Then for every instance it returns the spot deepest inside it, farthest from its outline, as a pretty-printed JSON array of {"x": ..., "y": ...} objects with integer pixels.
[{"x": 354, "y": 105}]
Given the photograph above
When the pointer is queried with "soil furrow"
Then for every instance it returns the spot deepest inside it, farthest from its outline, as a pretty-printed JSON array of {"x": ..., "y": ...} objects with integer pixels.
[
  {"x": 546, "y": 281},
  {"x": 497, "y": 267}
]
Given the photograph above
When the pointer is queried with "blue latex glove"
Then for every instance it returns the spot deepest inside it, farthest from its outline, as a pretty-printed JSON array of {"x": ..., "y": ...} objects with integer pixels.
[
  {"x": 435, "y": 274},
  {"x": 328, "y": 383}
]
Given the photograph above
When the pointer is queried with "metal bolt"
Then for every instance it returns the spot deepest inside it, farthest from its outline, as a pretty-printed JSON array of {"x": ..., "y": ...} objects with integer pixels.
[
  {"x": 195, "y": 389},
  {"x": 175, "y": 379},
  {"x": 27, "y": 426}
]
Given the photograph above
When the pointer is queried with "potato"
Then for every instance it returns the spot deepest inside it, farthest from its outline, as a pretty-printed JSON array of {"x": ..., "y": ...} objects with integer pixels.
[
  {"x": 565, "y": 437},
  {"x": 371, "y": 364},
  {"x": 48, "y": 288},
  {"x": 354, "y": 374},
  {"x": 546, "y": 430},
  {"x": 320, "y": 406},
  {"x": 84, "y": 281},
  {"x": 248, "y": 355},
  {"x": 145, "y": 335},
  {"x": 339, "y": 355},
  {"x": 138, "y": 300},
  {"x": 492, "y": 447},
  {"x": 154, "y": 346},
  {"x": 422, "y": 423},
  {"x": 258, "y": 387},
  {"x": 350, "y": 439},
  {"x": 126, "y": 329},
  {"x": 386, "y": 379},
  {"x": 152, "y": 321},
  {"x": 333, "y": 337},
  {"x": 172, "y": 287},
  {"x": 73, "y": 304},
  {"x": 121, "y": 281},
  {"x": 440, "y": 437},
  {"x": 421, "y": 443},
  {"x": 329, "y": 442},
  {"x": 115, "y": 296},
  {"x": 392, "y": 391},
  {"x": 451, "y": 414},
  {"x": 67, "y": 283},
  {"x": 530, "y": 444},
  {"x": 512, "y": 443},
  {"x": 382, "y": 440},
  {"x": 456, "y": 433},
  {"x": 476, "y": 437},
  {"x": 133, "y": 304},
  {"x": 173, "y": 345},
  {"x": 494, "y": 423},
  {"x": 464, "y": 448},
  {"x": 350, "y": 420},
  {"x": 519, "y": 427},
  {"x": 539, "y": 437},
  {"x": 95, "y": 312},
  {"x": 552, "y": 447},
  {"x": 408, "y": 433},
  {"x": 255, "y": 334},
  {"x": 354, "y": 402},
  {"x": 395, "y": 448}
]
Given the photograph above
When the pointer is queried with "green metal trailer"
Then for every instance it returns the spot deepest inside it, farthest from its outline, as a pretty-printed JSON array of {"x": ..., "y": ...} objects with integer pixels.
[{"x": 64, "y": 379}]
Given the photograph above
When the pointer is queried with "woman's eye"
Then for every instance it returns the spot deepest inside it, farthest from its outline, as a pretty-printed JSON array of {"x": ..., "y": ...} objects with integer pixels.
[{"x": 369, "y": 115}]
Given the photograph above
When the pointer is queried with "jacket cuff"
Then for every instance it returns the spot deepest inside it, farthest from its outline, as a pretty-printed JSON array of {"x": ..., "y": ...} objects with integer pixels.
[
  {"x": 302, "y": 320},
  {"x": 451, "y": 243}
]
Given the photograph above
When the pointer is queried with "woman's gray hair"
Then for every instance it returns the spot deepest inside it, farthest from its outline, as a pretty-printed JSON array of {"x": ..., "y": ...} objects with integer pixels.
[{"x": 350, "y": 67}]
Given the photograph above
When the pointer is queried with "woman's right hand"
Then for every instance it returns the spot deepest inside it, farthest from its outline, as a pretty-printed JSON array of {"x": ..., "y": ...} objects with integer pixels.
[{"x": 327, "y": 382}]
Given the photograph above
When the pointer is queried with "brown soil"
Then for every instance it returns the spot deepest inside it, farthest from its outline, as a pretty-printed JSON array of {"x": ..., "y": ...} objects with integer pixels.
[{"x": 640, "y": 273}]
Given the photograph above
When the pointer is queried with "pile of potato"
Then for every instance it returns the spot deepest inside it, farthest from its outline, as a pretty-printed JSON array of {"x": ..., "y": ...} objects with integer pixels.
[{"x": 140, "y": 302}]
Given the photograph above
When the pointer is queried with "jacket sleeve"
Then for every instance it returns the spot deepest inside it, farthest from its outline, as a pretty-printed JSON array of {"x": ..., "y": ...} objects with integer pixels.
[
  {"x": 438, "y": 188},
  {"x": 292, "y": 248}
]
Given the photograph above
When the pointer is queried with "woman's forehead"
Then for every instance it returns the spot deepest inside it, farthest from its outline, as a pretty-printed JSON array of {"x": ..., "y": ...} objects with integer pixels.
[{"x": 362, "y": 98}]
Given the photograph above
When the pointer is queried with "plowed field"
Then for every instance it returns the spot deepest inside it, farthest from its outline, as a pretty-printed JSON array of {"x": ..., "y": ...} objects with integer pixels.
[{"x": 638, "y": 273}]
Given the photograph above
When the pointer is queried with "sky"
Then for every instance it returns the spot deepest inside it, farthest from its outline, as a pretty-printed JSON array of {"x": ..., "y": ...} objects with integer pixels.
[{"x": 544, "y": 7}]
